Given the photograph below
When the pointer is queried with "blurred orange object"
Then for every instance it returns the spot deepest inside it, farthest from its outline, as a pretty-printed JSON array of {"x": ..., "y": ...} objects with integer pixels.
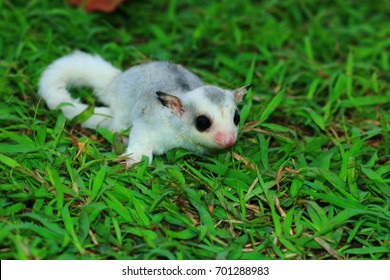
[{"x": 106, "y": 6}]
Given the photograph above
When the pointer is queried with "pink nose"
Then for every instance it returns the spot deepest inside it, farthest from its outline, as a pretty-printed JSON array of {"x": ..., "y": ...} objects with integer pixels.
[{"x": 225, "y": 139}]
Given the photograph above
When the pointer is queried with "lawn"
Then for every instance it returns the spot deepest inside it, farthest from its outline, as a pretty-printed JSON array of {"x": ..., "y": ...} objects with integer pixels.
[{"x": 307, "y": 179}]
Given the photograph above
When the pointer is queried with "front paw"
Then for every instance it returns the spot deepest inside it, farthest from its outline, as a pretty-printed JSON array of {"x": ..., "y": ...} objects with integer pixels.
[
  {"x": 127, "y": 160},
  {"x": 130, "y": 159}
]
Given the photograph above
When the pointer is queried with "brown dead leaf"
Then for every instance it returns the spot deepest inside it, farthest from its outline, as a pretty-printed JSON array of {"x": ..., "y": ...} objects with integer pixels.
[
  {"x": 105, "y": 6},
  {"x": 279, "y": 208},
  {"x": 244, "y": 160},
  {"x": 210, "y": 208},
  {"x": 80, "y": 146},
  {"x": 279, "y": 176},
  {"x": 326, "y": 246},
  {"x": 249, "y": 126},
  {"x": 282, "y": 171}
]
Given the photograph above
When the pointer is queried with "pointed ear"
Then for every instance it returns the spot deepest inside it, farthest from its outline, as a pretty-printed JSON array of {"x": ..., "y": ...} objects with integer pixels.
[
  {"x": 240, "y": 93},
  {"x": 173, "y": 103}
]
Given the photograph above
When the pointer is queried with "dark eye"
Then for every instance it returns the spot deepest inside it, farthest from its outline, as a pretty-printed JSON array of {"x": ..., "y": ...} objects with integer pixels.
[
  {"x": 202, "y": 123},
  {"x": 236, "y": 118}
]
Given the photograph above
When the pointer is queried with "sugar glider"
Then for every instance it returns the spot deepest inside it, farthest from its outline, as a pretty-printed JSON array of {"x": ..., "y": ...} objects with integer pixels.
[{"x": 165, "y": 105}]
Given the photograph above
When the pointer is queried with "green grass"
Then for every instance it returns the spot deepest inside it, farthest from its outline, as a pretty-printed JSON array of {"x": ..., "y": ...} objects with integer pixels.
[{"x": 307, "y": 179}]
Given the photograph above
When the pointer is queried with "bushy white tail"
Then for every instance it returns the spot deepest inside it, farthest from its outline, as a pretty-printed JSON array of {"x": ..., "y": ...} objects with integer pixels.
[{"x": 78, "y": 69}]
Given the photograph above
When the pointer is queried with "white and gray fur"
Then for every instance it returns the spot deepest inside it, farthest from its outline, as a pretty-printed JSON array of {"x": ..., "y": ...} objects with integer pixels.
[{"x": 160, "y": 101}]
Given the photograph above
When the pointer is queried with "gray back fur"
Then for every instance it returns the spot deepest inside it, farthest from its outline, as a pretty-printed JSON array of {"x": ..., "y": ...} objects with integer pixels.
[
  {"x": 161, "y": 76},
  {"x": 136, "y": 87}
]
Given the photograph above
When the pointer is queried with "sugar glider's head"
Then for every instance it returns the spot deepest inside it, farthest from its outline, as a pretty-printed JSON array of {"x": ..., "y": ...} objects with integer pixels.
[{"x": 207, "y": 115}]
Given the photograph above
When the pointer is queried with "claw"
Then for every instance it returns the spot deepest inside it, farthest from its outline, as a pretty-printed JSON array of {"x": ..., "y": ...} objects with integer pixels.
[
  {"x": 129, "y": 163},
  {"x": 130, "y": 159},
  {"x": 126, "y": 160}
]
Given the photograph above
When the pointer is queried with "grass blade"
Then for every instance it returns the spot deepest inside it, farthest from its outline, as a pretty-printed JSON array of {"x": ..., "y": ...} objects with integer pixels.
[
  {"x": 98, "y": 183},
  {"x": 9, "y": 161},
  {"x": 70, "y": 228},
  {"x": 56, "y": 182},
  {"x": 248, "y": 99},
  {"x": 272, "y": 105}
]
